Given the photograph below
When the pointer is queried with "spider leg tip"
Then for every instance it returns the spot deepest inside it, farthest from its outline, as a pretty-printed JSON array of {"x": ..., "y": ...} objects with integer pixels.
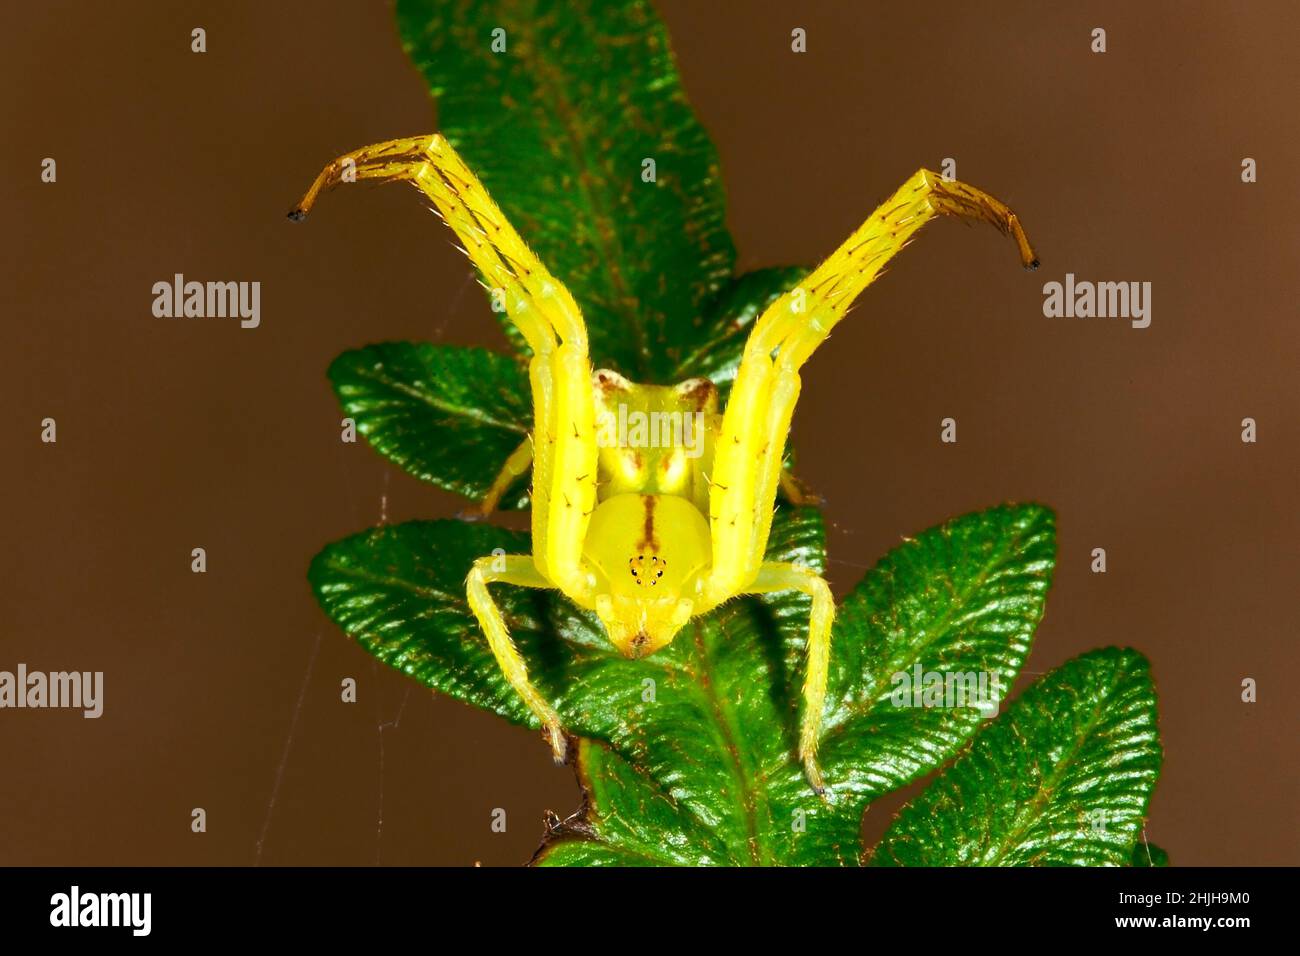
[
  {"x": 1032, "y": 266},
  {"x": 297, "y": 214}
]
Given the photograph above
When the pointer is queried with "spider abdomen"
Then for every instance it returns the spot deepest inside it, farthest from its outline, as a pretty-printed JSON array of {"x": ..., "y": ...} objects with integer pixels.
[{"x": 654, "y": 439}]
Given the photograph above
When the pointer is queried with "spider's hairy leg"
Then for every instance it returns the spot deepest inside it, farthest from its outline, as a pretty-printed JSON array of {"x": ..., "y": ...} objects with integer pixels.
[
  {"x": 747, "y": 462},
  {"x": 573, "y": 476},
  {"x": 542, "y": 385},
  {"x": 747, "y": 466},
  {"x": 747, "y": 470},
  {"x": 732, "y": 491},
  {"x": 779, "y": 576},
  {"x": 802, "y": 318},
  {"x": 564, "y": 450},
  {"x": 518, "y": 570},
  {"x": 538, "y": 303},
  {"x": 520, "y": 460},
  {"x": 389, "y": 161}
]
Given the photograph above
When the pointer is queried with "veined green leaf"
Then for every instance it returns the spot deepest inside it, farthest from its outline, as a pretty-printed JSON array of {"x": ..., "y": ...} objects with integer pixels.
[
  {"x": 958, "y": 605},
  {"x": 708, "y": 721},
  {"x": 626, "y": 821},
  {"x": 447, "y": 415},
  {"x": 1062, "y": 778},
  {"x": 704, "y": 731},
  {"x": 560, "y": 122}
]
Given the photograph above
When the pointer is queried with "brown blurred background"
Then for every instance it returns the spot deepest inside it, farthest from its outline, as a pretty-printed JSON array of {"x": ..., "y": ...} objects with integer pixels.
[{"x": 174, "y": 435}]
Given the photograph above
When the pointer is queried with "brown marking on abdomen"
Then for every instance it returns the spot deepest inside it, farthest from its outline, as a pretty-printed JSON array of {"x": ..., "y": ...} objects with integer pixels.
[
  {"x": 700, "y": 392},
  {"x": 608, "y": 381}
]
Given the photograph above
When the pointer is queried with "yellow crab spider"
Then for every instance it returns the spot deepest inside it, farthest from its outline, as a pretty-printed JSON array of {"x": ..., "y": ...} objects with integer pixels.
[{"x": 643, "y": 533}]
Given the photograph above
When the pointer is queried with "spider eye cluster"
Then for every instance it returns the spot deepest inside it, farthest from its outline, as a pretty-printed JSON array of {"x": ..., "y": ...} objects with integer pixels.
[{"x": 647, "y": 573}]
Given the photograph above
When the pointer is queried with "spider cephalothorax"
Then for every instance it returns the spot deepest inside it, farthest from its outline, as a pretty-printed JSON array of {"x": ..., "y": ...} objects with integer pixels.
[{"x": 649, "y": 507}]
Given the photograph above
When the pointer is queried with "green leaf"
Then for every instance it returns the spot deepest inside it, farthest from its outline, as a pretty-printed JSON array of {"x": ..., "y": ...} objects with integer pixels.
[
  {"x": 590, "y": 853},
  {"x": 626, "y": 821},
  {"x": 557, "y": 127},
  {"x": 1148, "y": 854},
  {"x": 714, "y": 727},
  {"x": 704, "y": 755},
  {"x": 399, "y": 592},
  {"x": 447, "y": 415},
  {"x": 1062, "y": 778},
  {"x": 716, "y": 353},
  {"x": 960, "y": 601}
]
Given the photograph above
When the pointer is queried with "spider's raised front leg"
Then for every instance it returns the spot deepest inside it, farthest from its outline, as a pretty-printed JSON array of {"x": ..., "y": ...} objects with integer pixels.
[
  {"x": 747, "y": 463},
  {"x": 564, "y": 440},
  {"x": 802, "y": 318},
  {"x": 751, "y": 442},
  {"x": 564, "y": 436},
  {"x": 512, "y": 569}
]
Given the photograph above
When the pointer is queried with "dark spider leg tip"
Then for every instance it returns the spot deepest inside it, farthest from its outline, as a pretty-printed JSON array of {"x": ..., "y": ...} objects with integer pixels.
[
  {"x": 297, "y": 215},
  {"x": 1032, "y": 267}
]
